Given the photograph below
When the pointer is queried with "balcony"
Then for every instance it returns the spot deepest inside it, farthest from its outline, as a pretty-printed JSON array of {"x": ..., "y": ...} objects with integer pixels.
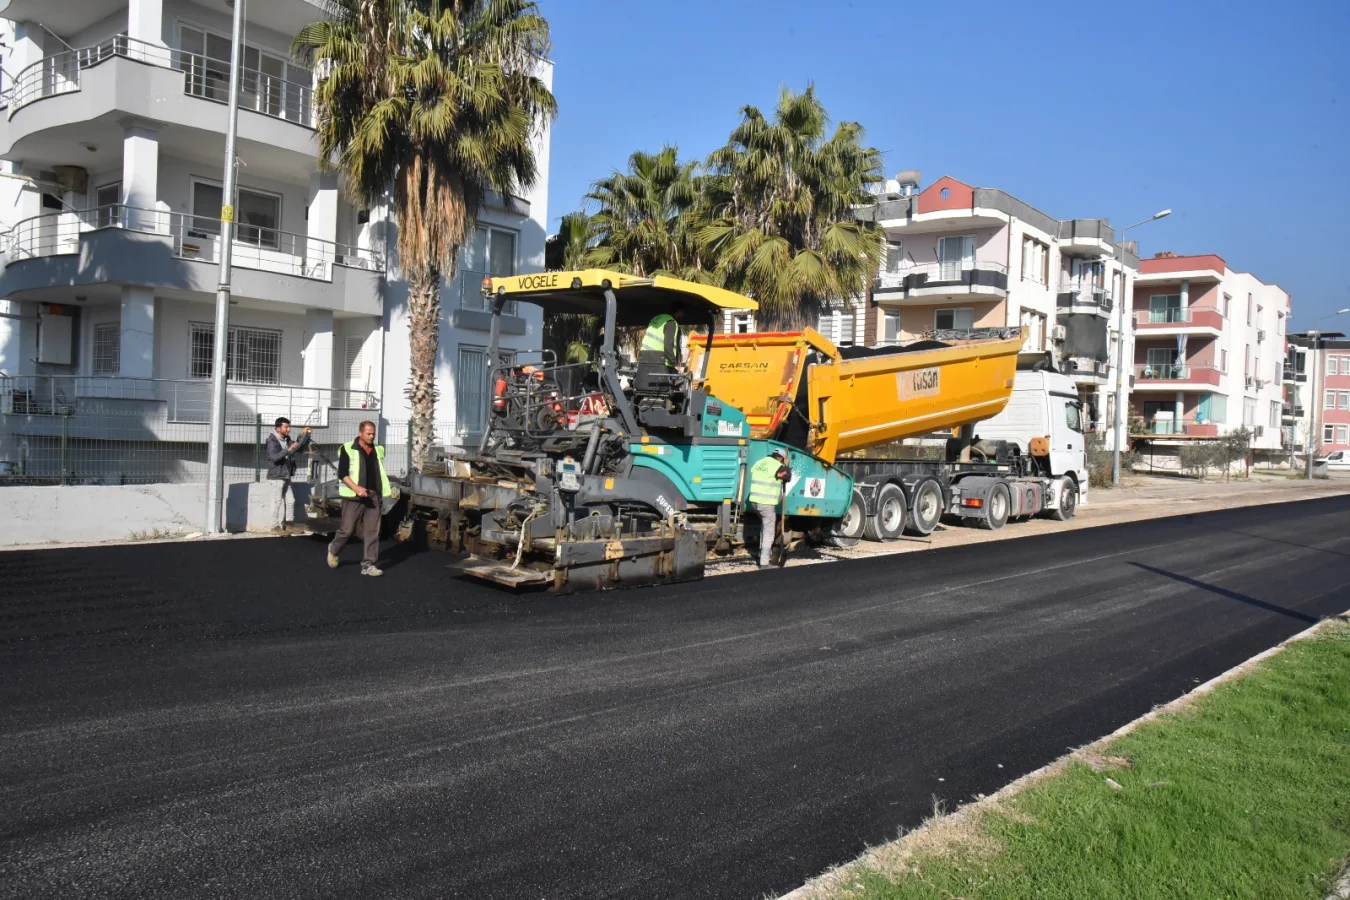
[
  {"x": 1172, "y": 375},
  {"x": 929, "y": 282},
  {"x": 1295, "y": 375},
  {"x": 1076, "y": 295},
  {"x": 1086, "y": 238},
  {"x": 1087, "y": 369},
  {"x": 1168, "y": 426},
  {"x": 181, "y": 401},
  {"x": 132, "y": 245},
  {"x": 204, "y": 77},
  {"x": 1180, "y": 320}
]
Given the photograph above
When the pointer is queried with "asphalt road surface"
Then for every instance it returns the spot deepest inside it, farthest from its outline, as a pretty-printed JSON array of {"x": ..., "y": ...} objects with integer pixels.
[{"x": 235, "y": 720}]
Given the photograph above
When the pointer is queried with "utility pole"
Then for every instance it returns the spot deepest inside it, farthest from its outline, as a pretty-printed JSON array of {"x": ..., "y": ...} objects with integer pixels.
[
  {"x": 1117, "y": 436},
  {"x": 215, "y": 460}
]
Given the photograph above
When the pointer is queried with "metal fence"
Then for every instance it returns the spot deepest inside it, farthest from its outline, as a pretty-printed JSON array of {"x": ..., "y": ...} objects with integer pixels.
[{"x": 108, "y": 445}]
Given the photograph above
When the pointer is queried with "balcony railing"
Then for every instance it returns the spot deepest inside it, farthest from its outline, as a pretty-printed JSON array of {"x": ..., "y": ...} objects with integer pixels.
[
  {"x": 184, "y": 400},
  {"x": 1173, "y": 315},
  {"x": 203, "y": 76},
  {"x": 939, "y": 272},
  {"x": 1171, "y": 371},
  {"x": 193, "y": 237},
  {"x": 1195, "y": 426},
  {"x": 1073, "y": 292}
]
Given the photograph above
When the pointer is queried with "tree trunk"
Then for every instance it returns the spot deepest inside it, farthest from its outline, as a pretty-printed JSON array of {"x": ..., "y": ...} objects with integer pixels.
[{"x": 424, "y": 319}]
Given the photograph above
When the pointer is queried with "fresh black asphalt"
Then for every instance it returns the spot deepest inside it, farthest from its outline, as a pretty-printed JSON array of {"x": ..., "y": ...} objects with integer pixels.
[{"x": 236, "y": 720}]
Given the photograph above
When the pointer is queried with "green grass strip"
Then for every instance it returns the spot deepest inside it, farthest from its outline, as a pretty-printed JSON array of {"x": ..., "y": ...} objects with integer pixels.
[{"x": 1243, "y": 793}]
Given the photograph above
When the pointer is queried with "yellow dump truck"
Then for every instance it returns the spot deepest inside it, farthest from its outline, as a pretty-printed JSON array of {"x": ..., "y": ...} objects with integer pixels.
[{"x": 837, "y": 403}]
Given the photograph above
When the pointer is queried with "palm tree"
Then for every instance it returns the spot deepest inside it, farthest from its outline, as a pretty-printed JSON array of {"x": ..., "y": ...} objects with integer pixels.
[
  {"x": 647, "y": 218},
  {"x": 440, "y": 100},
  {"x": 569, "y": 334},
  {"x": 781, "y": 201}
]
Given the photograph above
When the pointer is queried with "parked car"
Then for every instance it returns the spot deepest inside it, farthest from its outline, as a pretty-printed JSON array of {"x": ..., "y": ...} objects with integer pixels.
[{"x": 1336, "y": 461}]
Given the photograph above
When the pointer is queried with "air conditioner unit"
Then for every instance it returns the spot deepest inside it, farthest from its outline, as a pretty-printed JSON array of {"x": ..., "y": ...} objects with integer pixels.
[
  {"x": 1057, "y": 332},
  {"x": 1258, "y": 430},
  {"x": 1249, "y": 381},
  {"x": 1260, "y": 335}
]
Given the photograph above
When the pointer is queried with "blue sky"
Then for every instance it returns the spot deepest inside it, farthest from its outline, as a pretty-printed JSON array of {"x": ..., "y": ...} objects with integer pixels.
[{"x": 1234, "y": 114}]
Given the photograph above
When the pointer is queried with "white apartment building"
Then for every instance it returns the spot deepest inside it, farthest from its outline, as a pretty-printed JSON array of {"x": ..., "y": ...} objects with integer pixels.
[
  {"x": 112, "y": 148},
  {"x": 1210, "y": 355},
  {"x": 964, "y": 257}
]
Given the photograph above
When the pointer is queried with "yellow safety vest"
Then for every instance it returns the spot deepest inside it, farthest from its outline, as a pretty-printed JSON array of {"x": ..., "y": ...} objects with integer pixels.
[
  {"x": 356, "y": 463},
  {"x": 655, "y": 337},
  {"x": 764, "y": 485}
]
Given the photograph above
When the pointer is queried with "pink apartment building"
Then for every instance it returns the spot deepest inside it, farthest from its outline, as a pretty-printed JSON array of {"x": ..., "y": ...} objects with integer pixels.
[
  {"x": 1209, "y": 355},
  {"x": 1333, "y": 419}
]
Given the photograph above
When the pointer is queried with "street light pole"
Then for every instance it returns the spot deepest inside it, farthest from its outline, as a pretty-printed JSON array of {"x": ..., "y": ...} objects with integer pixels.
[
  {"x": 1116, "y": 431},
  {"x": 215, "y": 459}
]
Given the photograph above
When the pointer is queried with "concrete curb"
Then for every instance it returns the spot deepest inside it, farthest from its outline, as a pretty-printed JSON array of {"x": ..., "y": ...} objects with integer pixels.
[{"x": 833, "y": 878}]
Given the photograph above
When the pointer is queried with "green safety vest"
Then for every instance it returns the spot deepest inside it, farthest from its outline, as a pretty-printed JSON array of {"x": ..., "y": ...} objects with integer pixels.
[
  {"x": 356, "y": 463},
  {"x": 764, "y": 486},
  {"x": 655, "y": 338}
]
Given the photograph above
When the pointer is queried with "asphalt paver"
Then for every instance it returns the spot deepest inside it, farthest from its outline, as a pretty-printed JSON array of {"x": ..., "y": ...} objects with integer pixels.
[{"x": 234, "y": 719}]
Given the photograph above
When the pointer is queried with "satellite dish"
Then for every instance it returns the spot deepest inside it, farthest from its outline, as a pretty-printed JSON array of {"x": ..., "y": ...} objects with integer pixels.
[{"x": 892, "y": 189}]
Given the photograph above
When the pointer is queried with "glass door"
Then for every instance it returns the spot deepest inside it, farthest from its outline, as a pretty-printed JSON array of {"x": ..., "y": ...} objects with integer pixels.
[{"x": 956, "y": 255}]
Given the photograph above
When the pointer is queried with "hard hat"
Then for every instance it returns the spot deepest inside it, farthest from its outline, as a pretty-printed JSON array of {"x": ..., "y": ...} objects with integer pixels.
[{"x": 780, "y": 453}]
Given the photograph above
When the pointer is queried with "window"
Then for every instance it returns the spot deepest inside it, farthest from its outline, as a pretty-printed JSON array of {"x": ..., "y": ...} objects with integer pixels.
[
  {"x": 1163, "y": 363},
  {"x": 51, "y": 201},
  {"x": 1256, "y": 367},
  {"x": 1341, "y": 433},
  {"x": 1165, "y": 308},
  {"x": 956, "y": 256},
  {"x": 838, "y": 327},
  {"x": 1279, "y": 373},
  {"x": 268, "y": 83},
  {"x": 1227, "y": 305},
  {"x": 1345, "y": 365},
  {"x": 1248, "y": 412},
  {"x": 1247, "y": 361},
  {"x": 1332, "y": 364},
  {"x": 1343, "y": 400},
  {"x": 1223, "y": 361},
  {"x": 1250, "y": 304},
  {"x": 490, "y": 253},
  {"x": 257, "y": 215},
  {"x": 1329, "y": 400},
  {"x": 107, "y": 348},
  {"x": 1035, "y": 260},
  {"x": 354, "y": 365},
  {"x": 253, "y": 354},
  {"x": 895, "y": 256},
  {"x": 1073, "y": 416},
  {"x": 1034, "y": 323},
  {"x": 742, "y": 323},
  {"x": 960, "y": 319},
  {"x": 890, "y": 326},
  {"x": 106, "y": 199},
  {"x": 471, "y": 386},
  {"x": 1328, "y": 434},
  {"x": 1274, "y": 414}
]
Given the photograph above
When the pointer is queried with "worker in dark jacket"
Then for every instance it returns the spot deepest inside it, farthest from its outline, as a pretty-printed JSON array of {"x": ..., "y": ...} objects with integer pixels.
[
  {"x": 281, "y": 453},
  {"x": 281, "y": 450}
]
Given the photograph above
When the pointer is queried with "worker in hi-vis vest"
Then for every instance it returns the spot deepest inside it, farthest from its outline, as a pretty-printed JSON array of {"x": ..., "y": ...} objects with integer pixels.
[
  {"x": 767, "y": 478},
  {"x": 660, "y": 351},
  {"x": 362, "y": 485}
]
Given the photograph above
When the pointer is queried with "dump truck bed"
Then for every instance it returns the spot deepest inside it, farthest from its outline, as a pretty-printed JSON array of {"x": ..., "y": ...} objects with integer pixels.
[{"x": 799, "y": 388}]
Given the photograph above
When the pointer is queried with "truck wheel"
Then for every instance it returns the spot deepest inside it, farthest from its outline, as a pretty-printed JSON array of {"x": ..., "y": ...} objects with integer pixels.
[
  {"x": 888, "y": 522},
  {"x": 927, "y": 509},
  {"x": 997, "y": 508},
  {"x": 1068, "y": 500},
  {"x": 848, "y": 529}
]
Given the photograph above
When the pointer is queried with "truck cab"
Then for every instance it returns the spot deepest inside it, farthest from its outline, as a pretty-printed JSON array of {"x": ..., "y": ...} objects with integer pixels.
[{"x": 1046, "y": 404}]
